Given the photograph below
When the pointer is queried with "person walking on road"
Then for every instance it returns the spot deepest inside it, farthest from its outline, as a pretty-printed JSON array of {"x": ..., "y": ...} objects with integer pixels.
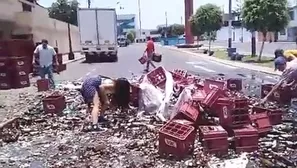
[
  {"x": 95, "y": 94},
  {"x": 150, "y": 50},
  {"x": 44, "y": 56}
]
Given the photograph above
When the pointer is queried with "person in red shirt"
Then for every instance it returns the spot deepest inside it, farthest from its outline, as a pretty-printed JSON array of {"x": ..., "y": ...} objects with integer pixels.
[{"x": 150, "y": 50}]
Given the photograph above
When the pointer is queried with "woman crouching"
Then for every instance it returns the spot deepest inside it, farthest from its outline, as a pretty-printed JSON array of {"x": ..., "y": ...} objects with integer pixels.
[{"x": 95, "y": 94}]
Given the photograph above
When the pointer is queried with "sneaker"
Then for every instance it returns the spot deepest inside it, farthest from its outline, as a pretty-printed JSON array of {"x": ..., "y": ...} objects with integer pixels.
[{"x": 96, "y": 127}]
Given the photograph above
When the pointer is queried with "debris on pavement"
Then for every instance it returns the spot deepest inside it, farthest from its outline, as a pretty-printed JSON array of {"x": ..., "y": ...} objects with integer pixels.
[{"x": 195, "y": 123}]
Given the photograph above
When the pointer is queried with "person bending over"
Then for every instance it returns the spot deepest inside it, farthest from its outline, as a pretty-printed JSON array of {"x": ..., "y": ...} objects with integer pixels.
[{"x": 95, "y": 94}]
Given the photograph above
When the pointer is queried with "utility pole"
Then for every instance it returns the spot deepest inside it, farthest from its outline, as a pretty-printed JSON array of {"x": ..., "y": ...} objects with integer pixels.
[
  {"x": 166, "y": 24},
  {"x": 230, "y": 25},
  {"x": 181, "y": 20},
  {"x": 89, "y": 3},
  {"x": 139, "y": 15}
]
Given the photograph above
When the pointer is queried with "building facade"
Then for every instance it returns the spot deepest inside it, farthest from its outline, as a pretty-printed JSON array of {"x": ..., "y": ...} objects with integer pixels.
[
  {"x": 27, "y": 20},
  {"x": 126, "y": 23}
]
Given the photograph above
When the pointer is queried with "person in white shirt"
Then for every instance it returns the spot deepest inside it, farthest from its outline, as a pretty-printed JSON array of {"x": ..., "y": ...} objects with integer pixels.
[{"x": 46, "y": 55}]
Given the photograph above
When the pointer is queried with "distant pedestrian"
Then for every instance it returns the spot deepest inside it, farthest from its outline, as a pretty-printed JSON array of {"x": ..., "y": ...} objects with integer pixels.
[
  {"x": 44, "y": 56},
  {"x": 150, "y": 50}
]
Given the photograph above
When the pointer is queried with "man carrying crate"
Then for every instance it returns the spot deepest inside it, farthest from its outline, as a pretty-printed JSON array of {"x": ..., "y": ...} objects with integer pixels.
[
  {"x": 150, "y": 50},
  {"x": 44, "y": 55}
]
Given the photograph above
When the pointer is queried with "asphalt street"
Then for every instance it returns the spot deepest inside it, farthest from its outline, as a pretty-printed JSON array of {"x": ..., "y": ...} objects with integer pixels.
[
  {"x": 128, "y": 64},
  {"x": 245, "y": 48}
]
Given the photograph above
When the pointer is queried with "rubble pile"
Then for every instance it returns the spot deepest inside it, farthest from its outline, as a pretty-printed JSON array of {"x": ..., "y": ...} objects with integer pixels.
[{"x": 211, "y": 128}]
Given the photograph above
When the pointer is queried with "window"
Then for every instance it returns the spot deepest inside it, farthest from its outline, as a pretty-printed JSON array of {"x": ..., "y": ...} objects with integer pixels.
[
  {"x": 291, "y": 14},
  {"x": 282, "y": 32},
  {"x": 26, "y": 7}
]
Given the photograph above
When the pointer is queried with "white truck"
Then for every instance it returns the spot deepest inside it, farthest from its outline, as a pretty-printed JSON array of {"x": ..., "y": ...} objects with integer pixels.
[{"x": 98, "y": 33}]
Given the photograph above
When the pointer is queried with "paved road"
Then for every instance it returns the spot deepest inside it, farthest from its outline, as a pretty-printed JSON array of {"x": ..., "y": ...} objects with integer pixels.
[
  {"x": 245, "y": 48},
  {"x": 128, "y": 64}
]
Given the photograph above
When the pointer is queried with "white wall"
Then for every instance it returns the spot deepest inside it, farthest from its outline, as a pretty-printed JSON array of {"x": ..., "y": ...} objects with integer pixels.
[
  {"x": 237, "y": 33},
  {"x": 38, "y": 23}
]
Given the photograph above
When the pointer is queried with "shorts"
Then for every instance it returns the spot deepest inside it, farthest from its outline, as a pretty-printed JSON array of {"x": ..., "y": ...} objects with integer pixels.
[{"x": 89, "y": 89}]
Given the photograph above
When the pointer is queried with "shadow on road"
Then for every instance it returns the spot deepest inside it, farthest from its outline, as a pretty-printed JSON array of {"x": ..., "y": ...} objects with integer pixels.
[{"x": 102, "y": 60}]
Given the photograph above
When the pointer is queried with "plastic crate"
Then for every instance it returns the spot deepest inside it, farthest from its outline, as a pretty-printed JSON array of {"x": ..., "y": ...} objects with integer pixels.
[
  {"x": 210, "y": 84},
  {"x": 261, "y": 122},
  {"x": 214, "y": 139},
  {"x": 20, "y": 81},
  {"x": 5, "y": 85},
  {"x": 211, "y": 98},
  {"x": 142, "y": 59},
  {"x": 234, "y": 84},
  {"x": 246, "y": 139},
  {"x": 157, "y": 77},
  {"x": 198, "y": 96},
  {"x": 188, "y": 111},
  {"x": 134, "y": 95},
  {"x": 176, "y": 139},
  {"x": 240, "y": 103},
  {"x": 54, "y": 104},
  {"x": 42, "y": 85},
  {"x": 275, "y": 115}
]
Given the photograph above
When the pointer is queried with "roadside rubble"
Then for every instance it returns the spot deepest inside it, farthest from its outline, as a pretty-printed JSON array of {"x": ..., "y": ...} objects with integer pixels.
[{"x": 132, "y": 137}]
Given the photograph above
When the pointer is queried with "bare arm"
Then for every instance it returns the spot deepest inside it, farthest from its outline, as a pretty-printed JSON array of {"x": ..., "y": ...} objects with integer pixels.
[{"x": 104, "y": 90}]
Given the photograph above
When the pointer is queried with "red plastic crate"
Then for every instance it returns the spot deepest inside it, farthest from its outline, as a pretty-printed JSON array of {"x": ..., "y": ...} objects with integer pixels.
[
  {"x": 54, "y": 104},
  {"x": 275, "y": 115},
  {"x": 211, "y": 98},
  {"x": 142, "y": 59},
  {"x": 42, "y": 85},
  {"x": 134, "y": 96},
  {"x": 214, "y": 139},
  {"x": 20, "y": 82},
  {"x": 176, "y": 139},
  {"x": 234, "y": 84},
  {"x": 4, "y": 63},
  {"x": 210, "y": 84},
  {"x": 16, "y": 47},
  {"x": 188, "y": 111},
  {"x": 60, "y": 58},
  {"x": 157, "y": 77},
  {"x": 282, "y": 95},
  {"x": 198, "y": 95},
  {"x": 261, "y": 122},
  {"x": 5, "y": 85},
  {"x": 240, "y": 103},
  {"x": 246, "y": 139},
  {"x": 5, "y": 76}
]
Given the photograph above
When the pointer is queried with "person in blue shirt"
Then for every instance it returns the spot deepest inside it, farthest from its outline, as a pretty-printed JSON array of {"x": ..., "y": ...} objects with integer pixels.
[{"x": 95, "y": 94}]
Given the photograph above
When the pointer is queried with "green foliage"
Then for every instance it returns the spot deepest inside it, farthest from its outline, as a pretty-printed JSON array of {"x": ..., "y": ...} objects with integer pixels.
[
  {"x": 265, "y": 15},
  {"x": 64, "y": 10},
  {"x": 131, "y": 36},
  {"x": 177, "y": 29},
  {"x": 208, "y": 18}
]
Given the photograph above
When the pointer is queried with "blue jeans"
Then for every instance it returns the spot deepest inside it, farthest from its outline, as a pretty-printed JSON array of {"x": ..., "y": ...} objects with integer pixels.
[{"x": 47, "y": 70}]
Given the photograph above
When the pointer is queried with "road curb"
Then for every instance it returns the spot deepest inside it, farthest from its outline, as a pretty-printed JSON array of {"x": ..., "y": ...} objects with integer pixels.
[
  {"x": 227, "y": 62},
  {"x": 70, "y": 61}
]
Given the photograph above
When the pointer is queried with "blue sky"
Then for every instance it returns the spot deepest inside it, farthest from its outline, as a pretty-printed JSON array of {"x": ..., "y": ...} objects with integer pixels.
[{"x": 152, "y": 11}]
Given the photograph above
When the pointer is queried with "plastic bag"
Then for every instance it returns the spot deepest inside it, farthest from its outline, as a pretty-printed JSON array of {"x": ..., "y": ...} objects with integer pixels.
[
  {"x": 150, "y": 98},
  {"x": 185, "y": 96},
  {"x": 164, "y": 111}
]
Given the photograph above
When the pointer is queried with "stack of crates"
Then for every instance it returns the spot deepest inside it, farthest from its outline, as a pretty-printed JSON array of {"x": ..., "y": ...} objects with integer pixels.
[{"x": 15, "y": 63}]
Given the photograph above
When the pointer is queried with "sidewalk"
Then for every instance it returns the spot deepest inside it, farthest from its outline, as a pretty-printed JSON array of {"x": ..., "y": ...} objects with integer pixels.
[
  {"x": 227, "y": 62},
  {"x": 77, "y": 56}
]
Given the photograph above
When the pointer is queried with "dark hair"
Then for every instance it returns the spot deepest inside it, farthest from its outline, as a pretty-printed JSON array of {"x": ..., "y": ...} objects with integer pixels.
[
  {"x": 278, "y": 52},
  {"x": 44, "y": 41},
  {"x": 122, "y": 92},
  {"x": 149, "y": 38}
]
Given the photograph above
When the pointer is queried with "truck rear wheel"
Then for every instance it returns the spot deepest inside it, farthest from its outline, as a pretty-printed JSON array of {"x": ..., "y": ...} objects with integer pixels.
[
  {"x": 114, "y": 57},
  {"x": 88, "y": 58}
]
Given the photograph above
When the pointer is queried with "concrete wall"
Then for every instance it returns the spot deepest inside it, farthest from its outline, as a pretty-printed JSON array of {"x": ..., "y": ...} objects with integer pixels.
[
  {"x": 16, "y": 21},
  {"x": 237, "y": 34}
]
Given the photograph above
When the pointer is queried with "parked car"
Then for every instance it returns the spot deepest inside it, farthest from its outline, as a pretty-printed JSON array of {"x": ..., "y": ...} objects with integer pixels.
[{"x": 123, "y": 42}]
